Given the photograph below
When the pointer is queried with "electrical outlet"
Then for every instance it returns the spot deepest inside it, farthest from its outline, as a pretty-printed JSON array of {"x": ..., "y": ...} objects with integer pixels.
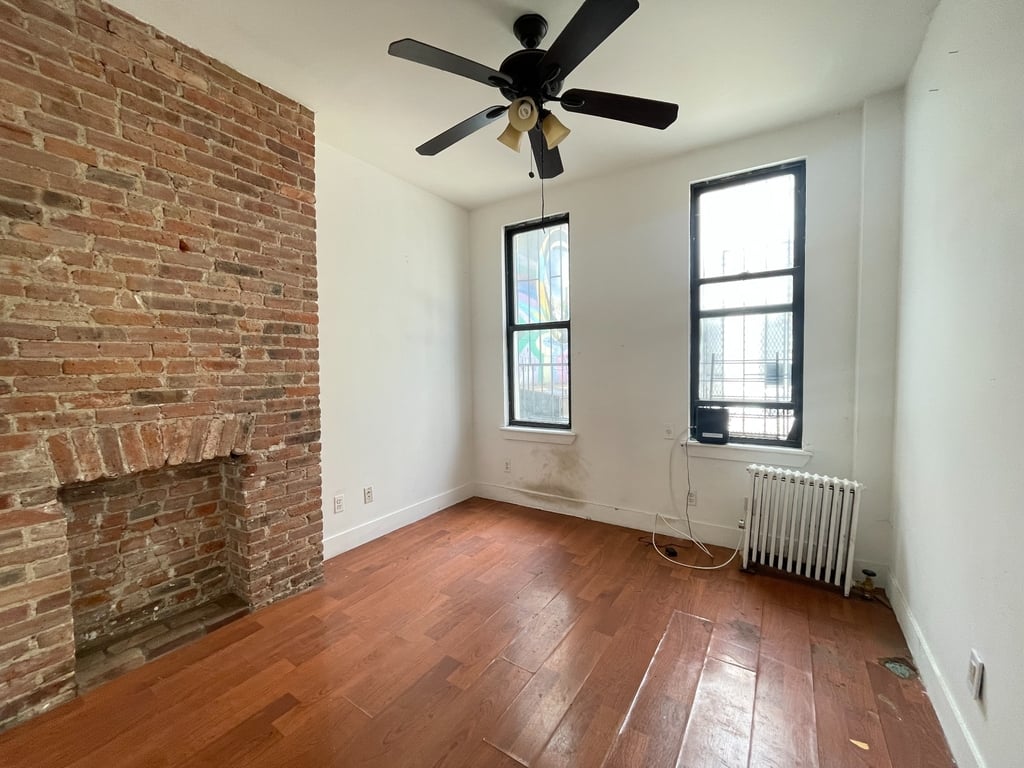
[
  {"x": 339, "y": 503},
  {"x": 508, "y": 465},
  {"x": 668, "y": 432},
  {"x": 975, "y": 673},
  {"x": 741, "y": 524},
  {"x": 368, "y": 494},
  {"x": 691, "y": 499}
]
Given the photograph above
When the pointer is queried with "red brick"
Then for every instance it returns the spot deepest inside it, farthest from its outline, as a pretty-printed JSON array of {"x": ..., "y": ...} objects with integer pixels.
[
  {"x": 121, "y": 317},
  {"x": 17, "y": 442},
  {"x": 47, "y": 12},
  {"x": 88, "y": 66},
  {"x": 181, "y": 74},
  {"x": 38, "y": 83},
  {"x": 153, "y": 443},
  {"x": 121, "y": 213},
  {"x": 87, "y": 189},
  {"x": 11, "y": 132},
  {"x": 87, "y": 452},
  {"x": 52, "y": 384},
  {"x": 119, "y": 146},
  {"x": 86, "y": 224},
  {"x": 91, "y": 367},
  {"x": 110, "y": 451},
  {"x": 135, "y": 458},
  {"x": 74, "y": 113},
  {"x": 63, "y": 458},
  {"x": 32, "y": 590},
  {"x": 71, "y": 77},
  {"x": 27, "y": 404},
  {"x": 29, "y": 368},
  {"x": 40, "y": 234},
  {"x": 27, "y": 331}
]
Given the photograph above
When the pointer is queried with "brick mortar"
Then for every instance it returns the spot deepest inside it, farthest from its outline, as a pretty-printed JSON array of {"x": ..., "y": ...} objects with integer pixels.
[{"x": 158, "y": 306}]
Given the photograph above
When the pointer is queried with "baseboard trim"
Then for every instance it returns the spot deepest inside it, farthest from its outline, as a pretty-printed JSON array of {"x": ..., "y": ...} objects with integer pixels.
[
  {"x": 360, "y": 534},
  {"x": 638, "y": 519},
  {"x": 627, "y": 517},
  {"x": 961, "y": 743}
]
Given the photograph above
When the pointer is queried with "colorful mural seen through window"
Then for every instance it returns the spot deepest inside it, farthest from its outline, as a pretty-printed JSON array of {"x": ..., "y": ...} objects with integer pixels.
[{"x": 539, "y": 324}]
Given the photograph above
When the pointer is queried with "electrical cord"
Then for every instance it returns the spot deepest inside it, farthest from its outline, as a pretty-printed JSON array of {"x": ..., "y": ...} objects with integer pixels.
[
  {"x": 732, "y": 557},
  {"x": 672, "y": 495},
  {"x": 668, "y": 524},
  {"x": 688, "y": 533}
]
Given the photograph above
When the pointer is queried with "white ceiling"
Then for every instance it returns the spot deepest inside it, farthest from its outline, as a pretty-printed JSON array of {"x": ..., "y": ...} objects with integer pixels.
[{"x": 735, "y": 67}]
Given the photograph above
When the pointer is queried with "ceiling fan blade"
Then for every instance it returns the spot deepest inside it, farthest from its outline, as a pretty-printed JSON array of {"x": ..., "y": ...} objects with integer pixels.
[
  {"x": 628, "y": 109},
  {"x": 461, "y": 130},
  {"x": 549, "y": 161},
  {"x": 428, "y": 55},
  {"x": 593, "y": 23}
]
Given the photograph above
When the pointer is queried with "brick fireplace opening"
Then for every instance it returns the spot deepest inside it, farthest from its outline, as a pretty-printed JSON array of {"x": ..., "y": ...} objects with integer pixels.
[
  {"x": 149, "y": 563},
  {"x": 144, "y": 547},
  {"x": 159, "y": 379}
]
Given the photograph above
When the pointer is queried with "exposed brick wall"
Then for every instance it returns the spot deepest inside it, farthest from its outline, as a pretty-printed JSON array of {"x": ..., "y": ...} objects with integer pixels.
[
  {"x": 143, "y": 547},
  {"x": 157, "y": 307}
]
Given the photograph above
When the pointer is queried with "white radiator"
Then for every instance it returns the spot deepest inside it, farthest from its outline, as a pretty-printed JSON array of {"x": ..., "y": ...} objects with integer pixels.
[{"x": 801, "y": 523}]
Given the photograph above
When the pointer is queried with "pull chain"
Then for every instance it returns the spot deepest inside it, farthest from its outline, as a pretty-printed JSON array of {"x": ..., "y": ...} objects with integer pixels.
[
  {"x": 541, "y": 169},
  {"x": 542, "y": 196}
]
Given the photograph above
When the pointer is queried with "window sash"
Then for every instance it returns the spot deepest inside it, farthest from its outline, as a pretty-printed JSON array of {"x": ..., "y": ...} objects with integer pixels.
[
  {"x": 513, "y": 327},
  {"x": 794, "y": 404},
  {"x": 746, "y": 362}
]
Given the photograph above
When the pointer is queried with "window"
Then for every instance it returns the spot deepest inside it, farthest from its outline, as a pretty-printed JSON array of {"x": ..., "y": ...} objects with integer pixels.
[
  {"x": 747, "y": 301},
  {"x": 537, "y": 323}
]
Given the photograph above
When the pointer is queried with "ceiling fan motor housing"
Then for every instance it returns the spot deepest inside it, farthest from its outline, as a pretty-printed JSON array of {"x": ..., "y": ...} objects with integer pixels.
[{"x": 527, "y": 79}]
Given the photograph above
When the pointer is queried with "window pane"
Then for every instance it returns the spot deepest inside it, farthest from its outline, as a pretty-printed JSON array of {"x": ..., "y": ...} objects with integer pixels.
[
  {"x": 542, "y": 376},
  {"x": 747, "y": 227},
  {"x": 760, "y": 423},
  {"x": 747, "y": 357},
  {"x": 747, "y": 293},
  {"x": 540, "y": 260}
]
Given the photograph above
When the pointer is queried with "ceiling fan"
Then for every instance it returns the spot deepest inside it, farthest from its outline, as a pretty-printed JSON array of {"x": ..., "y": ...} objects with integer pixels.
[{"x": 532, "y": 77}]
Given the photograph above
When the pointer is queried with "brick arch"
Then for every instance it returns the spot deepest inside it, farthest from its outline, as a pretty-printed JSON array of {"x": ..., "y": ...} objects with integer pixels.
[{"x": 90, "y": 453}]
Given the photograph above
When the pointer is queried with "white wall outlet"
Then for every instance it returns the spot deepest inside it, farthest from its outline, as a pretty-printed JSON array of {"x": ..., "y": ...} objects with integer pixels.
[
  {"x": 668, "y": 432},
  {"x": 508, "y": 465},
  {"x": 339, "y": 503},
  {"x": 691, "y": 499},
  {"x": 368, "y": 494},
  {"x": 975, "y": 673}
]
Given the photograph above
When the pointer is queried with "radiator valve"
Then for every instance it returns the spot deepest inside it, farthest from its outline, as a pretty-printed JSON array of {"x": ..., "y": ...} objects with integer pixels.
[{"x": 867, "y": 586}]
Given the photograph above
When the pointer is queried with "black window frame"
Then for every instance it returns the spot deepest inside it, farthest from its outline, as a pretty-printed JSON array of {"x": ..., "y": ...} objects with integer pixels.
[
  {"x": 798, "y": 169},
  {"x": 511, "y": 326}
]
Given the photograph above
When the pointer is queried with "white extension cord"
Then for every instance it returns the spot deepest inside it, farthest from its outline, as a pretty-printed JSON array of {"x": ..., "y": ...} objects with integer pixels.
[{"x": 688, "y": 533}]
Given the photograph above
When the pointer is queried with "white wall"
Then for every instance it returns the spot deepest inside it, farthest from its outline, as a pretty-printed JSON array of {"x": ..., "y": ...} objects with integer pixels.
[
  {"x": 958, "y": 458},
  {"x": 394, "y": 349},
  {"x": 630, "y": 331},
  {"x": 878, "y": 282}
]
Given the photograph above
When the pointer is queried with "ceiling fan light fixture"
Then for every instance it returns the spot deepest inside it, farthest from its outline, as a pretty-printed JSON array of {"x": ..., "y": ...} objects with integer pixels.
[
  {"x": 522, "y": 114},
  {"x": 511, "y": 137},
  {"x": 554, "y": 131}
]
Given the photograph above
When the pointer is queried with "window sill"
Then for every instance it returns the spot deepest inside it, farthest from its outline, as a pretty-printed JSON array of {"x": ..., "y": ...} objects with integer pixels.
[
  {"x": 749, "y": 454},
  {"x": 558, "y": 436}
]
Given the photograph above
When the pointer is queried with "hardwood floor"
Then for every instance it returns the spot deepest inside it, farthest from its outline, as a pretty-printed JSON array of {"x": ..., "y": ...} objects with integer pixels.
[{"x": 493, "y": 635}]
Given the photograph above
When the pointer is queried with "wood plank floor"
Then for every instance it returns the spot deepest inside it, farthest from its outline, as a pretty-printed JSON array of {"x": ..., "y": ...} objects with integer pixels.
[{"x": 494, "y": 635}]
